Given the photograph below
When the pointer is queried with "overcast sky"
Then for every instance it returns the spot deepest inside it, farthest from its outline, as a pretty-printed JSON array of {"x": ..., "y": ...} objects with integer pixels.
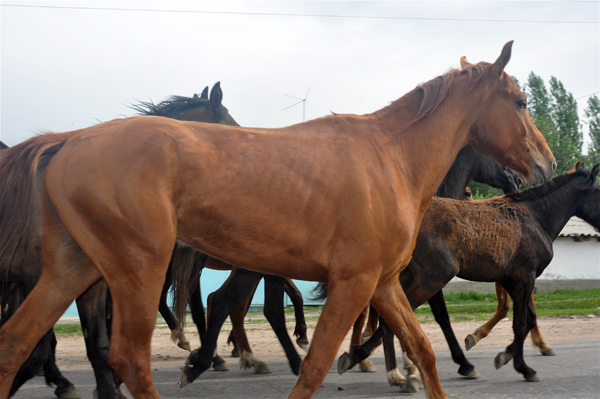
[{"x": 65, "y": 68}]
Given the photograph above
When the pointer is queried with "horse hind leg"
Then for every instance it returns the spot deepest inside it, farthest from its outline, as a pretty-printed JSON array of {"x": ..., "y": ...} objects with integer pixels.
[
  {"x": 537, "y": 339},
  {"x": 300, "y": 330},
  {"x": 67, "y": 273},
  {"x": 177, "y": 335},
  {"x": 501, "y": 312},
  {"x": 64, "y": 388},
  {"x": 247, "y": 359}
]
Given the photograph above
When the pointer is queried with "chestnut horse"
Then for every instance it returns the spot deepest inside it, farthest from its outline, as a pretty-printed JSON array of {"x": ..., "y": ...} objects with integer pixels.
[
  {"x": 338, "y": 199},
  {"x": 94, "y": 309}
]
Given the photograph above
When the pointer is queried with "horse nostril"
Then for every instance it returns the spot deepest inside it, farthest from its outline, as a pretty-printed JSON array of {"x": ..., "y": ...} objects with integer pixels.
[
  {"x": 553, "y": 165},
  {"x": 519, "y": 181}
]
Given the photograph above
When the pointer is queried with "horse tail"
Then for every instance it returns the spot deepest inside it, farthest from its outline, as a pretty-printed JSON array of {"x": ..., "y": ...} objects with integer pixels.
[
  {"x": 319, "y": 293},
  {"x": 18, "y": 172},
  {"x": 186, "y": 265}
]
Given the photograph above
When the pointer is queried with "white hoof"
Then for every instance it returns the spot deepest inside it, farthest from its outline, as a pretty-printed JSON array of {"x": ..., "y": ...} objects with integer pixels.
[
  {"x": 501, "y": 359},
  {"x": 534, "y": 378},
  {"x": 68, "y": 393},
  {"x": 412, "y": 385},
  {"x": 548, "y": 351},
  {"x": 395, "y": 378},
  {"x": 368, "y": 367}
]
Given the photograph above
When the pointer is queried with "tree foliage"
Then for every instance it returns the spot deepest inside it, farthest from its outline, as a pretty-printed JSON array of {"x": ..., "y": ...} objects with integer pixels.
[
  {"x": 554, "y": 111},
  {"x": 592, "y": 114}
]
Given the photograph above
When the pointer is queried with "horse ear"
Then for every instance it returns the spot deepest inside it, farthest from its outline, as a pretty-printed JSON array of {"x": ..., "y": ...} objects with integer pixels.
[
  {"x": 464, "y": 64},
  {"x": 204, "y": 95},
  {"x": 595, "y": 170},
  {"x": 500, "y": 64},
  {"x": 579, "y": 166},
  {"x": 216, "y": 95}
]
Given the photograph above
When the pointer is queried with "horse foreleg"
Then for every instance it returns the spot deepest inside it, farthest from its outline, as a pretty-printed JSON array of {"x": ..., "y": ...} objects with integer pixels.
[
  {"x": 391, "y": 303},
  {"x": 360, "y": 352},
  {"x": 296, "y": 296},
  {"x": 537, "y": 339},
  {"x": 95, "y": 321},
  {"x": 440, "y": 312},
  {"x": 346, "y": 299},
  {"x": 501, "y": 312},
  {"x": 523, "y": 322},
  {"x": 275, "y": 314}
]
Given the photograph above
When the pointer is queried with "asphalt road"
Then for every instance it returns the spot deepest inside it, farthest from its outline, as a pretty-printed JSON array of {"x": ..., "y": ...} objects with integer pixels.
[{"x": 573, "y": 373}]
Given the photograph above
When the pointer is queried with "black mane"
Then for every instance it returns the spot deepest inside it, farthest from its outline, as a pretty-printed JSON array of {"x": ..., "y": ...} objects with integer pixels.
[
  {"x": 170, "y": 107},
  {"x": 534, "y": 193}
]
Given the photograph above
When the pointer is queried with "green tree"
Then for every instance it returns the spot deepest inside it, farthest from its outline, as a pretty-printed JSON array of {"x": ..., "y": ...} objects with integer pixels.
[
  {"x": 554, "y": 113},
  {"x": 592, "y": 113},
  {"x": 566, "y": 119}
]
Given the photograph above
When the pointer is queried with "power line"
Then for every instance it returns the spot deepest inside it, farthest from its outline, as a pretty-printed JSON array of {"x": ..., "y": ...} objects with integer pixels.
[
  {"x": 294, "y": 15},
  {"x": 587, "y": 95}
]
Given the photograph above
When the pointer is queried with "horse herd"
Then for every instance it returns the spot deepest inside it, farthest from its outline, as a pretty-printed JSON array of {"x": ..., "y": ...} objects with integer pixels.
[{"x": 121, "y": 212}]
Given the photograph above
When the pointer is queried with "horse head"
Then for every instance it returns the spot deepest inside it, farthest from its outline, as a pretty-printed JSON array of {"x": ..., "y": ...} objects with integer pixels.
[
  {"x": 197, "y": 108},
  {"x": 588, "y": 200},
  {"x": 503, "y": 127}
]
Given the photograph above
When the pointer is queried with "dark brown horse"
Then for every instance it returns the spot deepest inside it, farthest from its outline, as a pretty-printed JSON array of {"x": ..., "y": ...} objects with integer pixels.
[
  {"x": 506, "y": 240},
  {"x": 338, "y": 200}
]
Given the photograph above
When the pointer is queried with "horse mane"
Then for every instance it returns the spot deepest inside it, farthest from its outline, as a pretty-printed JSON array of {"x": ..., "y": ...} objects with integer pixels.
[
  {"x": 435, "y": 91},
  {"x": 172, "y": 106},
  {"x": 18, "y": 168},
  {"x": 588, "y": 183}
]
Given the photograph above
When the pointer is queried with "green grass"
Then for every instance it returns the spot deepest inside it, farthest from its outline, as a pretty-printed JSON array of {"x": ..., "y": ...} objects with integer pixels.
[
  {"x": 68, "y": 330},
  {"x": 462, "y": 306}
]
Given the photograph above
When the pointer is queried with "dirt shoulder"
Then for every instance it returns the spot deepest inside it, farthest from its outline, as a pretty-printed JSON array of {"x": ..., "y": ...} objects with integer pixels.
[{"x": 71, "y": 353}]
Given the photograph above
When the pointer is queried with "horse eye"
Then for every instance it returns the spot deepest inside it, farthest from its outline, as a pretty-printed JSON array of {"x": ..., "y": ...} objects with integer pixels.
[{"x": 522, "y": 104}]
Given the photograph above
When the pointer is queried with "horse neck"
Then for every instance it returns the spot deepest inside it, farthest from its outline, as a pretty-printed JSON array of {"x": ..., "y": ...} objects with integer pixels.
[
  {"x": 422, "y": 151},
  {"x": 458, "y": 177},
  {"x": 553, "y": 210}
]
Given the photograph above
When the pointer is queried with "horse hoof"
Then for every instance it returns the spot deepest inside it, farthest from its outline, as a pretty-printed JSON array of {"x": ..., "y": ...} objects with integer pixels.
[
  {"x": 262, "y": 368},
  {"x": 344, "y": 363},
  {"x": 395, "y": 378},
  {"x": 411, "y": 386},
  {"x": 303, "y": 344},
  {"x": 501, "y": 359},
  {"x": 235, "y": 352},
  {"x": 67, "y": 393},
  {"x": 548, "y": 352},
  {"x": 368, "y": 368},
  {"x": 534, "y": 378},
  {"x": 185, "y": 380},
  {"x": 472, "y": 373},
  {"x": 470, "y": 342},
  {"x": 185, "y": 345},
  {"x": 221, "y": 366}
]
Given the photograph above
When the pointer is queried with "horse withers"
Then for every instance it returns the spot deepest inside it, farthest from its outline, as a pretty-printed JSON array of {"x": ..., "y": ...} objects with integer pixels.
[{"x": 338, "y": 199}]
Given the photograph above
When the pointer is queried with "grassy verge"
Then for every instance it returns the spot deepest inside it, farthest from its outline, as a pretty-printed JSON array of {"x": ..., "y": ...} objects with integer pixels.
[{"x": 462, "y": 306}]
